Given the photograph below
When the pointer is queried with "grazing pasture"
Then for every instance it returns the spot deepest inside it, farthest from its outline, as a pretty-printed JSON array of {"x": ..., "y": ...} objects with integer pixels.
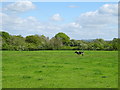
[{"x": 59, "y": 69}]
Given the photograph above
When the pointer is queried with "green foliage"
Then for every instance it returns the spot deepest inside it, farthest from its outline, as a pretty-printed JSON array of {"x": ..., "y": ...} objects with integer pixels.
[
  {"x": 63, "y": 37},
  {"x": 18, "y": 42},
  {"x": 33, "y": 39},
  {"x": 5, "y": 35},
  {"x": 99, "y": 44},
  {"x": 60, "y": 41},
  {"x": 66, "y": 48},
  {"x": 38, "y": 42},
  {"x": 115, "y": 44},
  {"x": 55, "y": 43},
  {"x": 5, "y": 38}
]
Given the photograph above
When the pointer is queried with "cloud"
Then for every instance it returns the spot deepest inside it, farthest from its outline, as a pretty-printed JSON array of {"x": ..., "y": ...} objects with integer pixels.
[
  {"x": 73, "y": 6},
  {"x": 101, "y": 23},
  {"x": 56, "y": 17},
  {"x": 20, "y": 6},
  {"x": 104, "y": 16},
  {"x": 27, "y": 26},
  {"x": 71, "y": 27},
  {"x": 2, "y": 0},
  {"x": 111, "y": 9},
  {"x": 74, "y": 25}
]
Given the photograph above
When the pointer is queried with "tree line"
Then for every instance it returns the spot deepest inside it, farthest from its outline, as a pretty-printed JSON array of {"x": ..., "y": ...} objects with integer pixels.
[{"x": 59, "y": 42}]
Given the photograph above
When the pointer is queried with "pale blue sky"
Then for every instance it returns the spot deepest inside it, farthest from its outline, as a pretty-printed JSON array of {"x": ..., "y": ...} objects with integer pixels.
[
  {"x": 44, "y": 10},
  {"x": 64, "y": 17}
]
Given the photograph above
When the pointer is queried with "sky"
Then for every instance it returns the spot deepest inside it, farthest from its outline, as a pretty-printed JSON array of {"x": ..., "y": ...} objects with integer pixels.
[{"x": 79, "y": 20}]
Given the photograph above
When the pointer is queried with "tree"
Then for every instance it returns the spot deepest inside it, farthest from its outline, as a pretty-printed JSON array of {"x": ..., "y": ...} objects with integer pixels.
[
  {"x": 5, "y": 38},
  {"x": 41, "y": 42},
  {"x": 18, "y": 42},
  {"x": 5, "y": 35},
  {"x": 115, "y": 44},
  {"x": 45, "y": 42},
  {"x": 55, "y": 43},
  {"x": 33, "y": 39},
  {"x": 73, "y": 43},
  {"x": 63, "y": 37},
  {"x": 98, "y": 44},
  {"x": 60, "y": 41}
]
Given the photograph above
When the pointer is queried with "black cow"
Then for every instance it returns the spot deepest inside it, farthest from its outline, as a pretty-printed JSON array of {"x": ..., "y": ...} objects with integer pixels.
[{"x": 78, "y": 52}]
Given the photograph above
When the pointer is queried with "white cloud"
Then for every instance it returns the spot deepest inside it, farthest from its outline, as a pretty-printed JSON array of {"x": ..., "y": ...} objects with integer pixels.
[
  {"x": 71, "y": 27},
  {"x": 56, "y": 17},
  {"x": 1, "y": 0},
  {"x": 105, "y": 16},
  {"x": 26, "y": 26},
  {"x": 101, "y": 23},
  {"x": 73, "y": 6},
  {"x": 75, "y": 25},
  {"x": 109, "y": 9},
  {"x": 20, "y": 6},
  {"x": 94, "y": 24}
]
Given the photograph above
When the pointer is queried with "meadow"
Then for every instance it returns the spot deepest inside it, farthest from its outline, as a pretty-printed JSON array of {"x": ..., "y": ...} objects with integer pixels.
[{"x": 59, "y": 69}]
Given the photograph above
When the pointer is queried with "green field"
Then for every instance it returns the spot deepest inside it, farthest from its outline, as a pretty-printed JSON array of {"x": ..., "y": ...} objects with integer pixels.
[{"x": 59, "y": 69}]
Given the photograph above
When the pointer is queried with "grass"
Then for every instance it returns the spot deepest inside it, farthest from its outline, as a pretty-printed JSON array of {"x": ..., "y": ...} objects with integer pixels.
[{"x": 59, "y": 69}]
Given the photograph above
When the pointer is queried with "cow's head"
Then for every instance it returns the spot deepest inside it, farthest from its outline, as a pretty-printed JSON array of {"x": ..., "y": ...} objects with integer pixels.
[{"x": 76, "y": 51}]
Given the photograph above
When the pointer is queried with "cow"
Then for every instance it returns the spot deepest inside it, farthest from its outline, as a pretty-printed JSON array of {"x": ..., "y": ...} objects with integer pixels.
[{"x": 79, "y": 53}]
